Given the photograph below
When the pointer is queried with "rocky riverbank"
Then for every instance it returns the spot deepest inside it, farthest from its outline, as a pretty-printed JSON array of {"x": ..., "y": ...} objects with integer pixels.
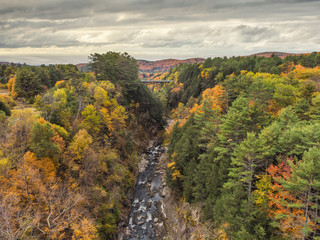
[{"x": 178, "y": 220}]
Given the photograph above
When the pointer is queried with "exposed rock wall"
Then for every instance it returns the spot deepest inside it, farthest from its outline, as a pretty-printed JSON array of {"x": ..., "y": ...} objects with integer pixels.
[{"x": 177, "y": 220}]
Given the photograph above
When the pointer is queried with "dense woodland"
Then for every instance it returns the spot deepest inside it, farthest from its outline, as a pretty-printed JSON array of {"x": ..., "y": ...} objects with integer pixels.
[
  {"x": 67, "y": 162},
  {"x": 245, "y": 144}
]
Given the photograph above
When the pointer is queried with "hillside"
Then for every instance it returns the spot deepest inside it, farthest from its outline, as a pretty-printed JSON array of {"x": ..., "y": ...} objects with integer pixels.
[
  {"x": 161, "y": 66},
  {"x": 243, "y": 145},
  {"x": 83, "y": 67},
  {"x": 269, "y": 54},
  {"x": 67, "y": 190}
]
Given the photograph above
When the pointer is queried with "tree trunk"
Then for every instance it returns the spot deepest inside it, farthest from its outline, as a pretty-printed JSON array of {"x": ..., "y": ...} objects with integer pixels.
[{"x": 306, "y": 211}]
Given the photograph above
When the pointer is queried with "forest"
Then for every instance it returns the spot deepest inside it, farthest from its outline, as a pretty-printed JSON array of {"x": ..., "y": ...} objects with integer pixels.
[
  {"x": 243, "y": 145},
  {"x": 68, "y": 155}
]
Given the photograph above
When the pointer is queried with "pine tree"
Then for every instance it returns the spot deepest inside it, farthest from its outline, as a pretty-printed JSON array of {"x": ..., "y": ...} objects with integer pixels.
[
  {"x": 27, "y": 84},
  {"x": 246, "y": 161},
  {"x": 41, "y": 140},
  {"x": 305, "y": 183}
]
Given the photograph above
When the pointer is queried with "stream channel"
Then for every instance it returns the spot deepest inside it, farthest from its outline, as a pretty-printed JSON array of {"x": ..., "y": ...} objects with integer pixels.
[{"x": 147, "y": 194}]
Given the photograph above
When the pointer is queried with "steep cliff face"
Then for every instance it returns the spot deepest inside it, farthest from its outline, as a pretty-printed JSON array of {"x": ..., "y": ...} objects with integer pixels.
[{"x": 176, "y": 219}]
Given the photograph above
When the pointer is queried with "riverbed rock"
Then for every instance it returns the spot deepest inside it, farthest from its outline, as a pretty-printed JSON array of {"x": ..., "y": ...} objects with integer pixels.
[
  {"x": 162, "y": 193},
  {"x": 142, "y": 165},
  {"x": 128, "y": 232},
  {"x": 151, "y": 194}
]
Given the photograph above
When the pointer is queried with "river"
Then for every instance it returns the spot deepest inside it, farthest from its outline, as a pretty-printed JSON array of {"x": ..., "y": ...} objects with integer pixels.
[{"x": 142, "y": 218}]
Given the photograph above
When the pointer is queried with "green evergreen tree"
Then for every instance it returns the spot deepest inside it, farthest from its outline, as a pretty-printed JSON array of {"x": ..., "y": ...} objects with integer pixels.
[
  {"x": 122, "y": 70},
  {"x": 305, "y": 184},
  {"x": 247, "y": 158},
  {"x": 242, "y": 218},
  {"x": 41, "y": 141},
  {"x": 27, "y": 84}
]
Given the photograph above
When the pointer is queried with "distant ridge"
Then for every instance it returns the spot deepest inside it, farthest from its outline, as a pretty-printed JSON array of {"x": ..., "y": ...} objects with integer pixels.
[
  {"x": 83, "y": 67},
  {"x": 269, "y": 54},
  {"x": 162, "y": 66}
]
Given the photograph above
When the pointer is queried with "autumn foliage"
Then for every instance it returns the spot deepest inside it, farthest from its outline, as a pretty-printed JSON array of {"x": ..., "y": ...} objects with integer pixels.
[{"x": 67, "y": 162}]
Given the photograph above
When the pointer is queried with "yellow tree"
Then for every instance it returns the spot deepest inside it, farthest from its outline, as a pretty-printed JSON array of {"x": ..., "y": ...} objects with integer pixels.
[
  {"x": 91, "y": 120},
  {"x": 114, "y": 116},
  {"x": 212, "y": 98},
  {"x": 34, "y": 202},
  {"x": 80, "y": 143}
]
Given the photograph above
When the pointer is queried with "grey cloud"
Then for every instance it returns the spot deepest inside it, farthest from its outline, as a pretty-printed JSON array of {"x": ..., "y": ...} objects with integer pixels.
[
  {"x": 71, "y": 9},
  {"x": 255, "y": 34},
  {"x": 158, "y": 27}
]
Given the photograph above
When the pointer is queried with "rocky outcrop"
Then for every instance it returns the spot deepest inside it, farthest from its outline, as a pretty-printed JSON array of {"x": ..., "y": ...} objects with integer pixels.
[{"x": 177, "y": 219}]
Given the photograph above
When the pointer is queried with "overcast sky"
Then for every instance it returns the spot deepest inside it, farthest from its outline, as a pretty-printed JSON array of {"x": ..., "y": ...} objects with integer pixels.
[{"x": 67, "y": 31}]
